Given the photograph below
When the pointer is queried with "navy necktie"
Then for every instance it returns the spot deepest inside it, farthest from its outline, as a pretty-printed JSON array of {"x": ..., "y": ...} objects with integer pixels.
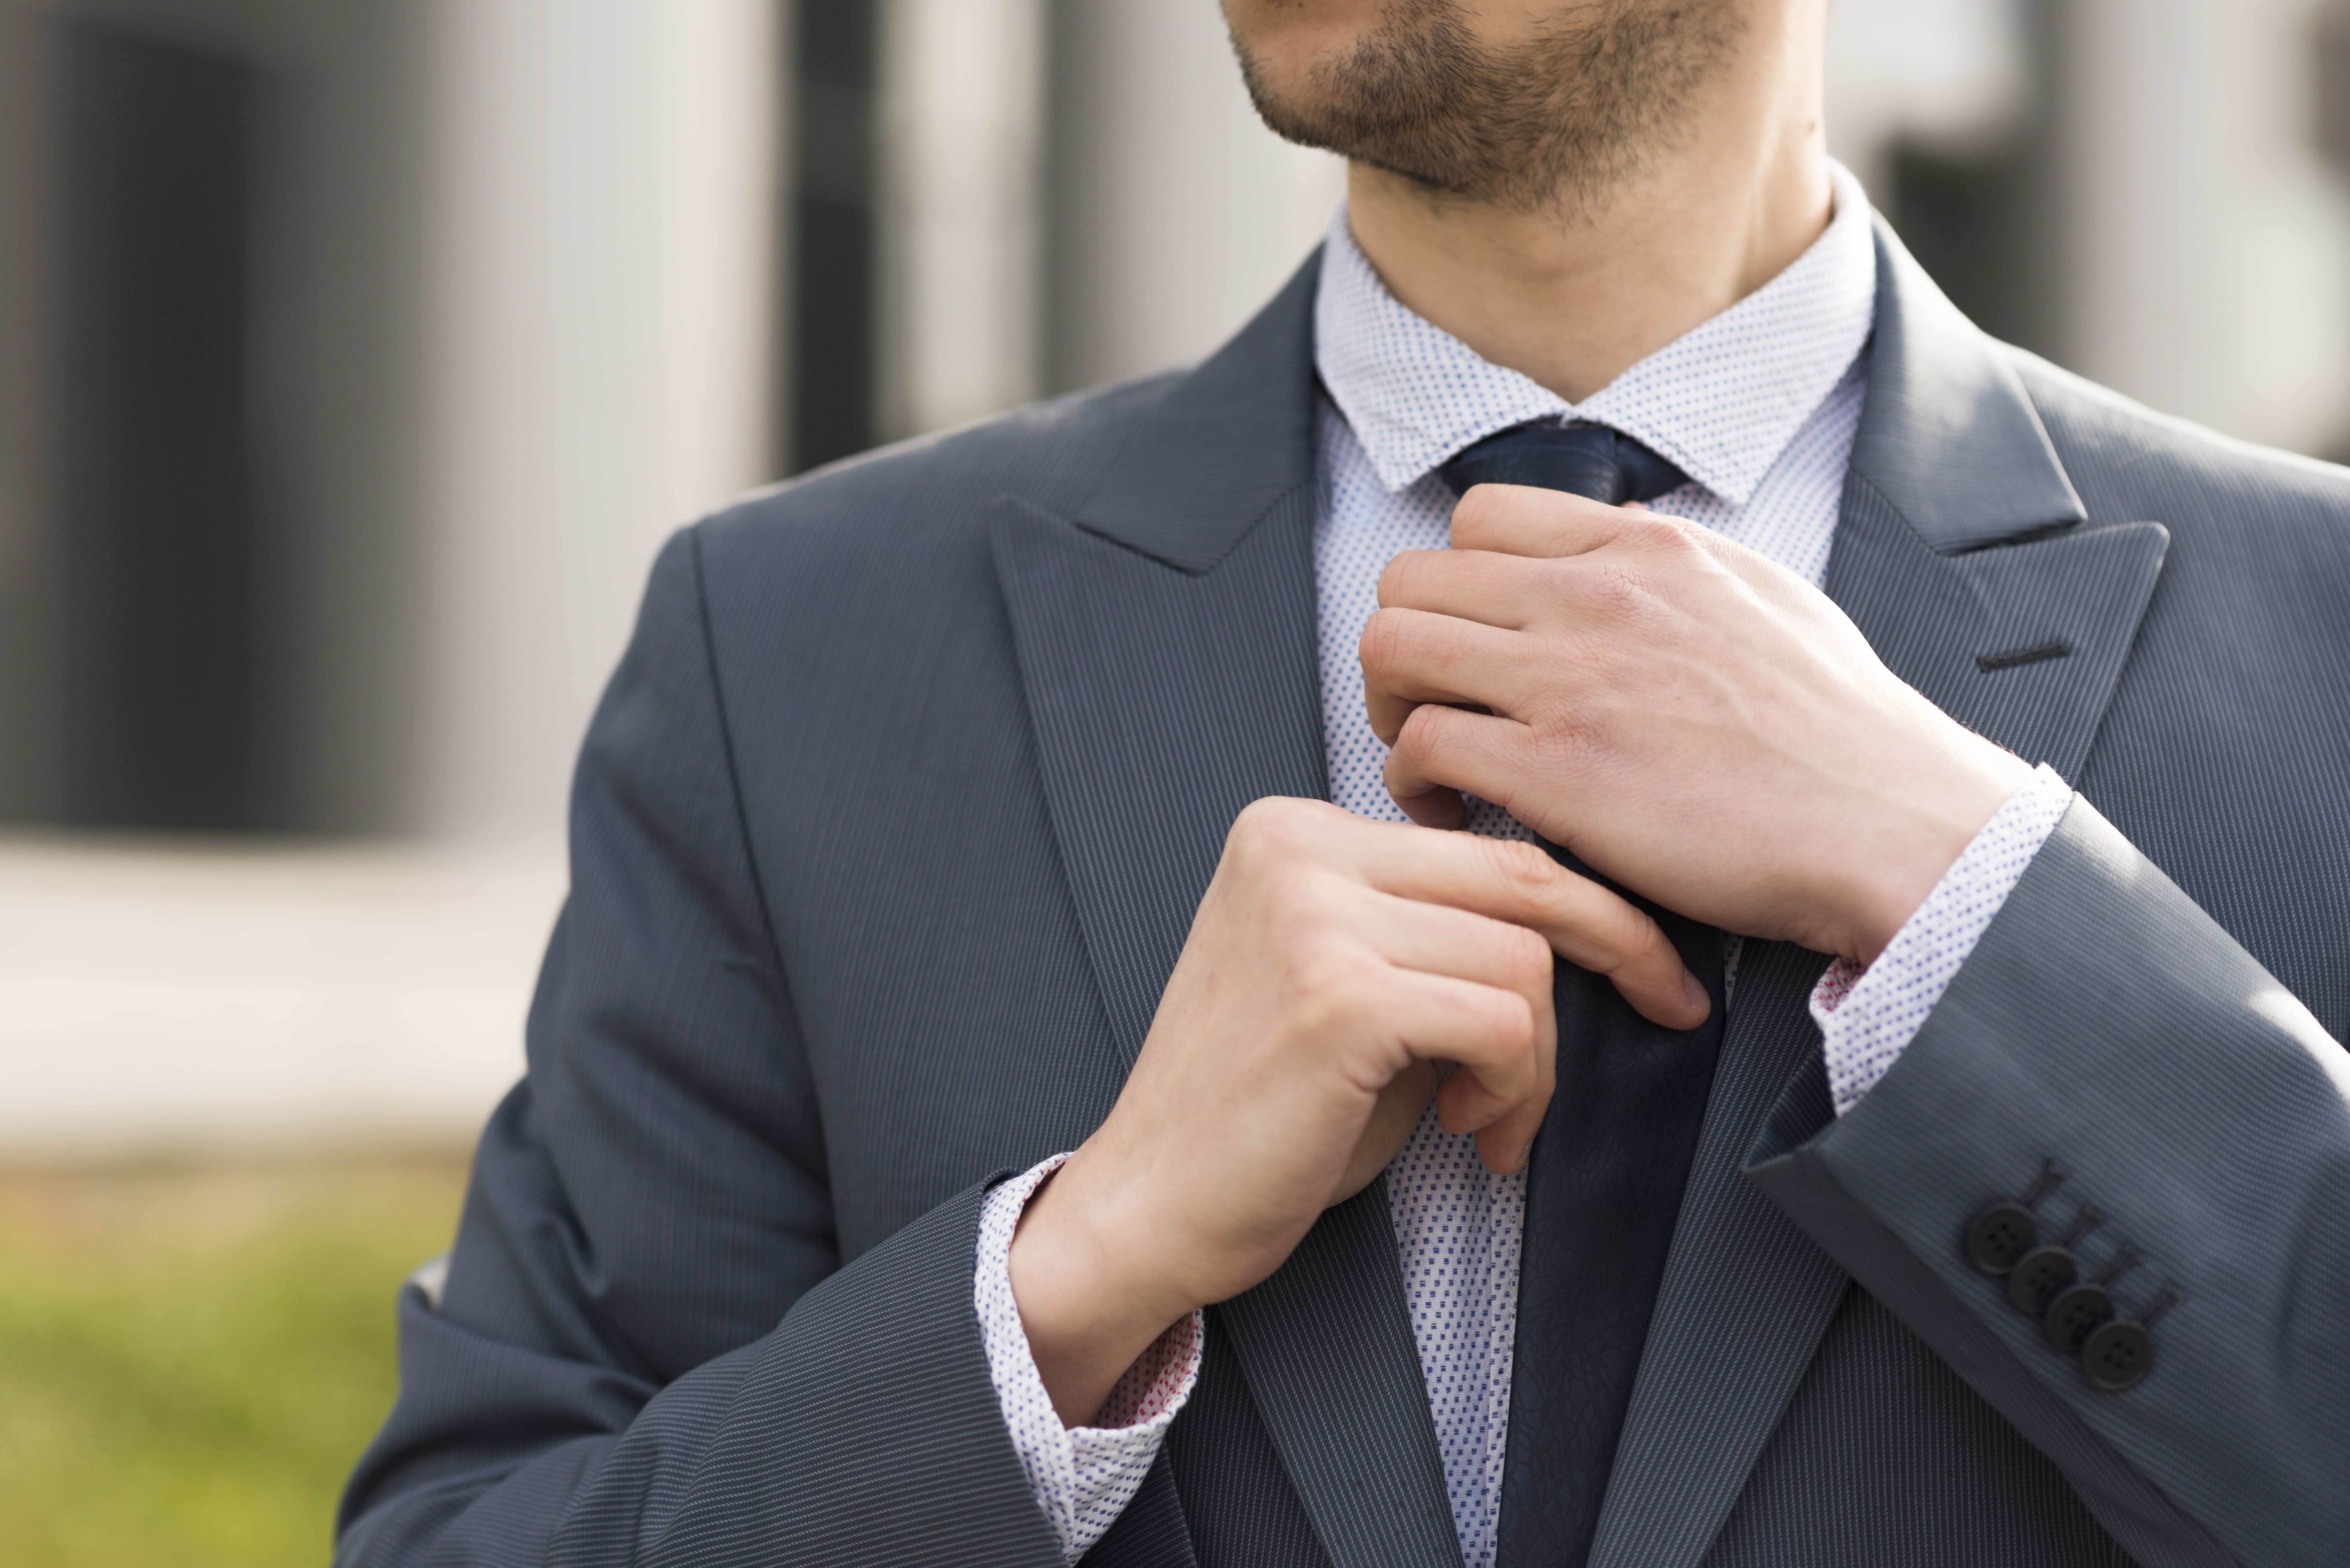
[
  {"x": 1603, "y": 1187},
  {"x": 1580, "y": 458}
]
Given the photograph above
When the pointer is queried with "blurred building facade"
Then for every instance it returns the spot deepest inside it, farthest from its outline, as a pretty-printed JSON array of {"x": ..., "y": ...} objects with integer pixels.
[
  {"x": 357, "y": 354},
  {"x": 326, "y": 315}
]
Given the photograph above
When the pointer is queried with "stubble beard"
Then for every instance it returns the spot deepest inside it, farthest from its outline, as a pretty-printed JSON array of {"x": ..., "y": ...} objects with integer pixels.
[{"x": 1555, "y": 125}]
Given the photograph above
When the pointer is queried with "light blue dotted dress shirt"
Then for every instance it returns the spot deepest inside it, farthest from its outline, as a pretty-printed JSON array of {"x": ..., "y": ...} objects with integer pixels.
[{"x": 1759, "y": 407}]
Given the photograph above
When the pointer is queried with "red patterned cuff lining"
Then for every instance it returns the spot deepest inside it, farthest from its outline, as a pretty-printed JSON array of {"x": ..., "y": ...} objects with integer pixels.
[{"x": 1157, "y": 1381}]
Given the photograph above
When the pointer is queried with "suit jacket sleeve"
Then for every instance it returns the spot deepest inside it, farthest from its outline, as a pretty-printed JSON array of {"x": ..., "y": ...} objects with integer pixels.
[
  {"x": 2106, "y": 1023},
  {"x": 648, "y": 1350}
]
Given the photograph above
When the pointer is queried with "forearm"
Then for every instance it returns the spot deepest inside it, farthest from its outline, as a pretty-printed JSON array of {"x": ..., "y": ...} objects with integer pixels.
[
  {"x": 2198, "y": 1115},
  {"x": 864, "y": 1428}
]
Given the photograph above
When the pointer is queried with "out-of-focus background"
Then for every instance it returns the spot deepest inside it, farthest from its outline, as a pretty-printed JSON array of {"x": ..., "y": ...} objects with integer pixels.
[{"x": 355, "y": 355}]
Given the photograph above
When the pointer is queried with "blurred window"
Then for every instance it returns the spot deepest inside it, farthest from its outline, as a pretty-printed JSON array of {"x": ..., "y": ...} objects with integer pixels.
[
  {"x": 161, "y": 541},
  {"x": 834, "y": 251}
]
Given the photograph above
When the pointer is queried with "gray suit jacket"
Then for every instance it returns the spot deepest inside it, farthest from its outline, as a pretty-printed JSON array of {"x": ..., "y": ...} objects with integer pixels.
[{"x": 889, "y": 829}]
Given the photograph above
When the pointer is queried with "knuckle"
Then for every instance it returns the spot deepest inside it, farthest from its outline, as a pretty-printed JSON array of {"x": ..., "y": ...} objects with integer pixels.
[
  {"x": 1657, "y": 532},
  {"x": 1510, "y": 1023},
  {"x": 1298, "y": 905},
  {"x": 1323, "y": 982},
  {"x": 1271, "y": 829},
  {"x": 1398, "y": 640},
  {"x": 1475, "y": 510},
  {"x": 1615, "y": 591},
  {"x": 1524, "y": 958},
  {"x": 1420, "y": 733},
  {"x": 1625, "y": 932},
  {"x": 1383, "y": 638},
  {"x": 1568, "y": 746},
  {"x": 1400, "y": 577},
  {"x": 1522, "y": 867},
  {"x": 1249, "y": 841},
  {"x": 1557, "y": 576}
]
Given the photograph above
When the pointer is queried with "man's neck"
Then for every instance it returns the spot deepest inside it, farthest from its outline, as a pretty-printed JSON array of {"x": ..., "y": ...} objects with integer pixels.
[{"x": 1571, "y": 299}]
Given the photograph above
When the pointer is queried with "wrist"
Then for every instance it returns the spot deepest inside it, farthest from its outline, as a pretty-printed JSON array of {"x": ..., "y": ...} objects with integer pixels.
[
  {"x": 1923, "y": 838},
  {"x": 1089, "y": 1298}
]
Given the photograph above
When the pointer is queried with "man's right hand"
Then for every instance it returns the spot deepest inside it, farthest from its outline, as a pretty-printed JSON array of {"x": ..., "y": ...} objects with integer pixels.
[{"x": 1335, "y": 964}]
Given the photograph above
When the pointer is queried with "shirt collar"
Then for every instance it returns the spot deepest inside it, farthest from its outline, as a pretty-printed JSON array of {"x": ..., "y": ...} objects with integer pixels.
[{"x": 1722, "y": 401}]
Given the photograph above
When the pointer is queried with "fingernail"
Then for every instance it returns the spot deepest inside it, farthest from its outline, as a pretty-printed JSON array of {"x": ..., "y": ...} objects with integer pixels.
[{"x": 1695, "y": 991}]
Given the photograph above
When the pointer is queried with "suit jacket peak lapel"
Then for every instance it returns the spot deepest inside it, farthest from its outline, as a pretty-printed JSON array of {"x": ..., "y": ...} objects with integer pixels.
[
  {"x": 1949, "y": 437},
  {"x": 1221, "y": 445}
]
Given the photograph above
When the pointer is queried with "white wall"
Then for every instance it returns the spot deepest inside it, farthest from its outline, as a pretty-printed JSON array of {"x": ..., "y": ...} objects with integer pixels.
[
  {"x": 962, "y": 210},
  {"x": 601, "y": 289},
  {"x": 1948, "y": 72},
  {"x": 2208, "y": 267}
]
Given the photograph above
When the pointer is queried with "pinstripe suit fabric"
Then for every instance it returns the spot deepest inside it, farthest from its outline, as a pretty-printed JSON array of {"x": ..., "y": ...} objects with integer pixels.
[{"x": 891, "y": 825}]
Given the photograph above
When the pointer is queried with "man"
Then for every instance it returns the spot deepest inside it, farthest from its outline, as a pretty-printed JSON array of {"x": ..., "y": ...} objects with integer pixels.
[{"x": 1793, "y": 1125}]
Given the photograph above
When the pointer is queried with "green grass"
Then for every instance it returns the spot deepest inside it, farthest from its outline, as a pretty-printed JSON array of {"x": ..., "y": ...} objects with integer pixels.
[{"x": 190, "y": 1362}]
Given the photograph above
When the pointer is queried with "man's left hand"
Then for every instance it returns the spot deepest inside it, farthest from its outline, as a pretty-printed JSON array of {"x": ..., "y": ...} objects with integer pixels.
[{"x": 1688, "y": 718}]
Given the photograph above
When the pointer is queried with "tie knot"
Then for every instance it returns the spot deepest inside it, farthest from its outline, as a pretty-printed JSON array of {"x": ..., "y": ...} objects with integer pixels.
[{"x": 1585, "y": 459}]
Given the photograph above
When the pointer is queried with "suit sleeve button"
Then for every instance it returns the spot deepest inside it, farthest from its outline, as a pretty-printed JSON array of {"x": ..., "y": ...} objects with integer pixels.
[
  {"x": 2074, "y": 1315},
  {"x": 1999, "y": 1235},
  {"x": 2117, "y": 1355},
  {"x": 2038, "y": 1276}
]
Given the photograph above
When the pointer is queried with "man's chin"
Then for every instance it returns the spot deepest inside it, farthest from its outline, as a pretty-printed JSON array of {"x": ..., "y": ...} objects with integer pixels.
[{"x": 1360, "y": 128}]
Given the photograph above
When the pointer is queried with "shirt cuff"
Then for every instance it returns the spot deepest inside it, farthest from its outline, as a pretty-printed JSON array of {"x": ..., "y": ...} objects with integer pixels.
[
  {"x": 1867, "y": 1017},
  {"x": 1081, "y": 1477}
]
